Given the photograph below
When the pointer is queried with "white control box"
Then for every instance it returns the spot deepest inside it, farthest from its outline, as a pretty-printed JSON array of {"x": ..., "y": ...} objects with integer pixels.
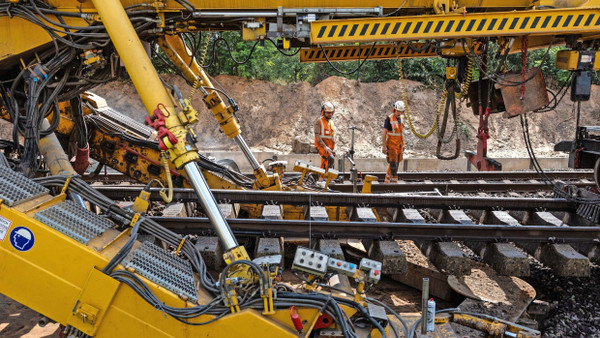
[
  {"x": 310, "y": 261},
  {"x": 343, "y": 267},
  {"x": 373, "y": 269}
]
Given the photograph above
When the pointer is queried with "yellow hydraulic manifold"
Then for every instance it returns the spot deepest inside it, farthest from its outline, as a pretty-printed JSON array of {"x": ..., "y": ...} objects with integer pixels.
[{"x": 179, "y": 54}]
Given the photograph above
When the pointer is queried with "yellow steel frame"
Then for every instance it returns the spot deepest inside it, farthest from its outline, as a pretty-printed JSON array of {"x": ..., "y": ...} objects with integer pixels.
[
  {"x": 24, "y": 36},
  {"x": 385, "y": 51},
  {"x": 457, "y": 25},
  {"x": 379, "y": 52},
  {"x": 274, "y": 4},
  {"x": 420, "y": 4},
  {"x": 18, "y": 35},
  {"x": 61, "y": 278},
  {"x": 354, "y": 52}
]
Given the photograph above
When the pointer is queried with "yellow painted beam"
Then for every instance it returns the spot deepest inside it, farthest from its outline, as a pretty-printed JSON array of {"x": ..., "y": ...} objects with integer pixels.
[
  {"x": 422, "y": 6},
  {"x": 19, "y": 35},
  {"x": 354, "y": 53},
  {"x": 454, "y": 26},
  {"x": 379, "y": 52},
  {"x": 274, "y": 4},
  {"x": 403, "y": 51}
]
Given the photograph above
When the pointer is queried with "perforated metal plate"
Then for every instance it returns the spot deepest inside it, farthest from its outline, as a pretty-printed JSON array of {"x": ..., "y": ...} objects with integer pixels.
[
  {"x": 164, "y": 269},
  {"x": 125, "y": 122},
  {"x": 16, "y": 188},
  {"x": 74, "y": 221}
]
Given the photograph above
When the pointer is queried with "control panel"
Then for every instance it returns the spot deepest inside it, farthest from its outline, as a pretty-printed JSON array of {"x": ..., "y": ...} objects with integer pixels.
[
  {"x": 318, "y": 264},
  {"x": 372, "y": 269},
  {"x": 342, "y": 267},
  {"x": 310, "y": 261}
]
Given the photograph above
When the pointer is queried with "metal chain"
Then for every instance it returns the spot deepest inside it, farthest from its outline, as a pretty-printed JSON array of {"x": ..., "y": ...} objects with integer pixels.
[
  {"x": 524, "y": 42},
  {"x": 408, "y": 114}
]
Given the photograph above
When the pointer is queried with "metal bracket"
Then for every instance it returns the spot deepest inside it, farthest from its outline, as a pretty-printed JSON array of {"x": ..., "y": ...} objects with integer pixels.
[{"x": 93, "y": 302}]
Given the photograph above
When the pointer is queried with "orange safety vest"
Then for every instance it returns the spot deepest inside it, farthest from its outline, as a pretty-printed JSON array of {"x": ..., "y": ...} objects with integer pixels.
[
  {"x": 395, "y": 139},
  {"x": 327, "y": 133}
]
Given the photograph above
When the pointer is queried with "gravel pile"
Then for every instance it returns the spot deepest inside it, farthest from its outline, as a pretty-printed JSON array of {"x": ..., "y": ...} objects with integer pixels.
[{"x": 574, "y": 302}]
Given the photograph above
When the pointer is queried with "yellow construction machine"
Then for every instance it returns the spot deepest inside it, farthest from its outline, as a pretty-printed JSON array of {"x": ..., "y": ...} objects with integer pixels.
[{"x": 94, "y": 274}]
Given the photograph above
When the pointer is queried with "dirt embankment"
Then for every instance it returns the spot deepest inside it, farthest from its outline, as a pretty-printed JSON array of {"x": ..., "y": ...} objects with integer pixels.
[{"x": 272, "y": 115}]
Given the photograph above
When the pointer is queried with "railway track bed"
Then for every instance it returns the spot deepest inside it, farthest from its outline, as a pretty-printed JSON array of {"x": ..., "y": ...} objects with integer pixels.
[{"x": 467, "y": 236}]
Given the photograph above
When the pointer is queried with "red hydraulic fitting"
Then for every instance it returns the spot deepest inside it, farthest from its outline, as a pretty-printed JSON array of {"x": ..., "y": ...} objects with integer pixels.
[
  {"x": 157, "y": 121},
  {"x": 296, "y": 319},
  {"x": 81, "y": 160},
  {"x": 324, "y": 321}
]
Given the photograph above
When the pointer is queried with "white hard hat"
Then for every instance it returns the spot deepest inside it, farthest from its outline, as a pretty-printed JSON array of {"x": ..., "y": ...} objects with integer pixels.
[
  {"x": 327, "y": 107},
  {"x": 399, "y": 105}
]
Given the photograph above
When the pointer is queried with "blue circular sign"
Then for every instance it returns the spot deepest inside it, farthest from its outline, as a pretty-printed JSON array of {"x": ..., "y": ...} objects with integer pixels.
[{"x": 22, "y": 239}]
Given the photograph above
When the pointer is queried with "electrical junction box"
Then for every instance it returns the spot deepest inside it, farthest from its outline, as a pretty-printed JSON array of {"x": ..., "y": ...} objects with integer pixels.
[
  {"x": 581, "y": 86},
  {"x": 310, "y": 261},
  {"x": 451, "y": 73},
  {"x": 342, "y": 267},
  {"x": 578, "y": 60},
  {"x": 373, "y": 268},
  {"x": 254, "y": 30}
]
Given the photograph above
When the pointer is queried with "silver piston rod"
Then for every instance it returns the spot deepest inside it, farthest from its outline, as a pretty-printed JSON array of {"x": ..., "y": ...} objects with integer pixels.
[
  {"x": 246, "y": 150},
  {"x": 291, "y": 12},
  {"x": 153, "y": 93},
  {"x": 209, "y": 204}
]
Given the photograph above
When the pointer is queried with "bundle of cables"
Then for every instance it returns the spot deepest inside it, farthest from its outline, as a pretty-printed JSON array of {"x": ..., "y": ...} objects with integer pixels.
[
  {"x": 58, "y": 73},
  {"x": 250, "y": 293}
]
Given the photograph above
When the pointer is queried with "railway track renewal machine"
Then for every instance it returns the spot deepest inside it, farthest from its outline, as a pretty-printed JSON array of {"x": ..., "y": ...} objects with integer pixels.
[{"x": 115, "y": 272}]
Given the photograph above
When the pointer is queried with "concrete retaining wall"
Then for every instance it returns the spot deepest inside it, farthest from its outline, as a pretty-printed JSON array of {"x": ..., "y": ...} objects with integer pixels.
[{"x": 380, "y": 164}]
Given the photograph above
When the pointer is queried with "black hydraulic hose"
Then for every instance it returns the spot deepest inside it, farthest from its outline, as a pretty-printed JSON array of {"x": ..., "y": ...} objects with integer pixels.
[
  {"x": 118, "y": 258},
  {"x": 364, "y": 312},
  {"x": 82, "y": 132},
  {"x": 355, "y": 69},
  {"x": 333, "y": 304}
]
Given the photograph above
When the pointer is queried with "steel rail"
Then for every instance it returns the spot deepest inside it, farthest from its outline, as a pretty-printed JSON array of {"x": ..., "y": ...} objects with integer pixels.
[
  {"x": 462, "y": 187},
  {"x": 372, "y": 230},
  {"x": 421, "y": 176},
  {"x": 457, "y": 187},
  {"x": 353, "y": 200},
  {"x": 483, "y": 175}
]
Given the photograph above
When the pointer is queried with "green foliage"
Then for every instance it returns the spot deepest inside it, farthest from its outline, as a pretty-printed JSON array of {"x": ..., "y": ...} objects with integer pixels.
[
  {"x": 430, "y": 71},
  {"x": 266, "y": 62},
  {"x": 465, "y": 127}
]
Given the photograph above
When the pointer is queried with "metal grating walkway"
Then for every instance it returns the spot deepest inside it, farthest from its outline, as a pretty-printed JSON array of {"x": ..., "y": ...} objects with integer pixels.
[
  {"x": 16, "y": 188},
  {"x": 164, "y": 269},
  {"x": 72, "y": 220}
]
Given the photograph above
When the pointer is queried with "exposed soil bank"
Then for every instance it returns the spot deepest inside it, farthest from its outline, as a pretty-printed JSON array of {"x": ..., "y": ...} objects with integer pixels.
[{"x": 272, "y": 115}]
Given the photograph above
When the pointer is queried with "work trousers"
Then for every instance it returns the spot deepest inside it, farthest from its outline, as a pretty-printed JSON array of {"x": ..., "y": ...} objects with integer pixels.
[{"x": 394, "y": 157}]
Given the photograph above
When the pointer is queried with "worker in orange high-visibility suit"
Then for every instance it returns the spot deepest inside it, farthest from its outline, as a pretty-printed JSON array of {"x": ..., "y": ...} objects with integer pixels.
[
  {"x": 393, "y": 141},
  {"x": 324, "y": 135}
]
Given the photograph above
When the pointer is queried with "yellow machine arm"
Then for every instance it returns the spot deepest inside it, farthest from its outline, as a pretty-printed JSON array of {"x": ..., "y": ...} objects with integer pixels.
[
  {"x": 172, "y": 127},
  {"x": 179, "y": 54}
]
